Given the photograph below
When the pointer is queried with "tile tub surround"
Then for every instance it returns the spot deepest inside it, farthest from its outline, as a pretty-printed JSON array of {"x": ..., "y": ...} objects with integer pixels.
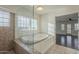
[
  {"x": 18, "y": 49},
  {"x": 38, "y": 48},
  {"x": 21, "y": 48}
]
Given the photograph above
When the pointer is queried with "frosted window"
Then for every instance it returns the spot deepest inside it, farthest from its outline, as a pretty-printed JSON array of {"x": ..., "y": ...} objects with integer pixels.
[
  {"x": 4, "y": 18},
  {"x": 69, "y": 38},
  {"x": 33, "y": 24},
  {"x": 76, "y": 43},
  {"x": 62, "y": 26},
  {"x": 68, "y": 28},
  {"x": 28, "y": 23},
  {"x": 23, "y": 22},
  {"x": 76, "y": 26},
  {"x": 51, "y": 28},
  {"x": 62, "y": 40}
]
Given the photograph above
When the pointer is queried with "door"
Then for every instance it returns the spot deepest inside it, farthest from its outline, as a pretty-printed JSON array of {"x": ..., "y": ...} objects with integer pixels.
[{"x": 67, "y": 30}]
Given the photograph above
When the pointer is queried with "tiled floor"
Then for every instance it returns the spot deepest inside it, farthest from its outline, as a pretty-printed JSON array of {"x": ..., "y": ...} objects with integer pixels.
[{"x": 56, "y": 49}]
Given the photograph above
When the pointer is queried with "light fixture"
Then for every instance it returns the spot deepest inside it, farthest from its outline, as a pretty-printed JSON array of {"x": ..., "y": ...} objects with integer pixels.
[{"x": 39, "y": 8}]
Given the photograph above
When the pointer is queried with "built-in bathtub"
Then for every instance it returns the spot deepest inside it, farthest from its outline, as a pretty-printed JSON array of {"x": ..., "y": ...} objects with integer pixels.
[
  {"x": 37, "y": 43},
  {"x": 32, "y": 39}
]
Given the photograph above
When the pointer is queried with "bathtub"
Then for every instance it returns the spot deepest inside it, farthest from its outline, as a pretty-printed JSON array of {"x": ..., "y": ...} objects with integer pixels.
[
  {"x": 39, "y": 43},
  {"x": 32, "y": 39}
]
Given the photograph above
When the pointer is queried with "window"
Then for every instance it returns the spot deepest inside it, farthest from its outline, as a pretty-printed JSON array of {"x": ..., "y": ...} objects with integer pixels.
[
  {"x": 62, "y": 40},
  {"x": 33, "y": 24},
  {"x": 76, "y": 42},
  {"x": 27, "y": 23},
  {"x": 4, "y": 18},
  {"x": 51, "y": 28},
  {"x": 62, "y": 27},
  {"x": 69, "y": 41},
  {"x": 23, "y": 22},
  {"x": 76, "y": 26},
  {"x": 69, "y": 28}
]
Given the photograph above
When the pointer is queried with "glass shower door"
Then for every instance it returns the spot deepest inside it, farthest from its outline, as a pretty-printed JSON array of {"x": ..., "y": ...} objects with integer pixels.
[{"x": 23, "y": 28}]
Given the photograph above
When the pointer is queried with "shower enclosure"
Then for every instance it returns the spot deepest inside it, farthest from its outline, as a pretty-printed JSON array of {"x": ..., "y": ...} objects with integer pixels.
[
  {"x": 67, "y": 30},
  {"x": 29, "y": 37},
  {"x": 24, "y": 25}
]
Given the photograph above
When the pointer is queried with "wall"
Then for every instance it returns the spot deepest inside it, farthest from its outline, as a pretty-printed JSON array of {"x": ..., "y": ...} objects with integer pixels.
[
  {"x": 44, "y": 23},
  {"x": 18, "y": 9}
]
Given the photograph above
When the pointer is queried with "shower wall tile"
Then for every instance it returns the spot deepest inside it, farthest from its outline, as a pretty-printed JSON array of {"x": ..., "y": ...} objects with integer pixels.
[
  {"x": 7, "y": 35},
  {"x": 19, "y": 50}
]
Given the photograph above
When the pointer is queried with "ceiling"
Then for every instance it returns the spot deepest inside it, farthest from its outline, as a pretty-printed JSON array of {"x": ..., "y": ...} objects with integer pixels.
[
  {"x": 46, "y": 8},
  {"x": 50, "y": 8}
]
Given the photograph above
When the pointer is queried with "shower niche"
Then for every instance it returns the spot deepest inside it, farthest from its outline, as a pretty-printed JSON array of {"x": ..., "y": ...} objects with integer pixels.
[{"x": 67, "y": 30}]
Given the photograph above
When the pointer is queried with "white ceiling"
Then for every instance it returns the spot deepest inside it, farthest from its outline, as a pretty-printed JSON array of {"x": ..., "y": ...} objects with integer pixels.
[
  {"x": 51, "y": 8},
  {"x": 47, "y": 8}
]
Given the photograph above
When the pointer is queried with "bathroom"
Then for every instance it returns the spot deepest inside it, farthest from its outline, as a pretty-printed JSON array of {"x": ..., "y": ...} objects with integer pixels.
[{"x": 33, "y": 29}]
